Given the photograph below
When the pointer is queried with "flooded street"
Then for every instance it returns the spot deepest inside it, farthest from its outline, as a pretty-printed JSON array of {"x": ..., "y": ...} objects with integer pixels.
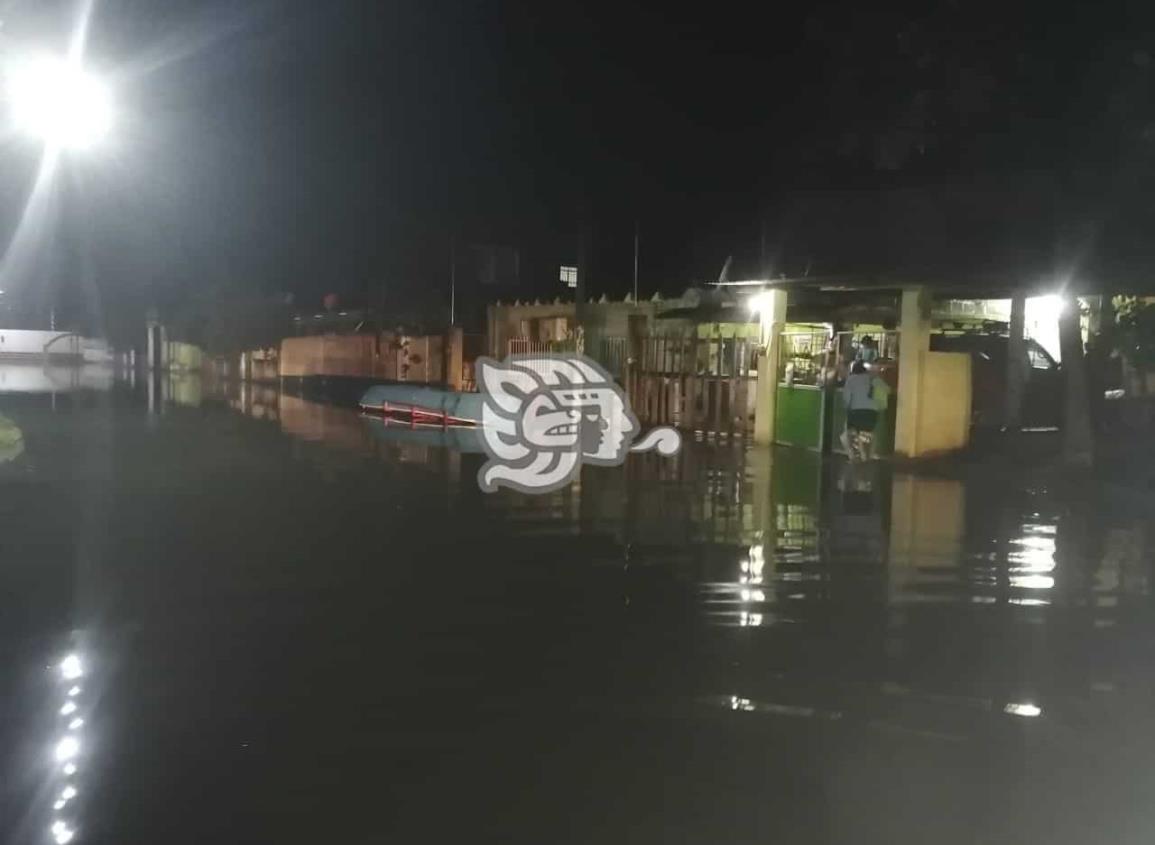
[{"x": 295, "y": 624}]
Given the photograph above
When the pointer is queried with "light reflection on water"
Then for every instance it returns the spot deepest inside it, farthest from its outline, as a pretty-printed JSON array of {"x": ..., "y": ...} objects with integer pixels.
[
  {"x": 796, "y": 524},
  {"x": 793, "y": 516},
  {"x": 68, "y": 748},
  {"x": 717, "y": 595},
  {"x": 787, "y": 543}
]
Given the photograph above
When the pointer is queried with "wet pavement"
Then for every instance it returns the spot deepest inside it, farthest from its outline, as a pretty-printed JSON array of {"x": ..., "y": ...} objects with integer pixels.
[{"x": 294, "y": 624}]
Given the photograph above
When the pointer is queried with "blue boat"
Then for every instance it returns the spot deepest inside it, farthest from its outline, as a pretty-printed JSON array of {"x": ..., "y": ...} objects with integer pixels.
[{"x": 423, "y": 405}]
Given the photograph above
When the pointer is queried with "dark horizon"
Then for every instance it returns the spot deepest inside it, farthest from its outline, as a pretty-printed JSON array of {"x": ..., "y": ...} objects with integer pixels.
[{"x": 311, "y": 148}]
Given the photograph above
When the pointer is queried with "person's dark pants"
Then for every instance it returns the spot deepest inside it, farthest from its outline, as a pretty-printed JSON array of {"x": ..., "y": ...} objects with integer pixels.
[{"x": 862, "y": 419}]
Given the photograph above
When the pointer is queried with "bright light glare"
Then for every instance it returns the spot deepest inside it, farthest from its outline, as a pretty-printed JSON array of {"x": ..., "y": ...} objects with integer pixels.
[
  {"x": 58, "y": 102},
  {"x": 67, "y": 748},
  {"x": 69, "y": 768},
  {"x": 68, "y": 708},
  {"x": 62, "y": 832},
  {"x": 759, "y": 303},
  {"x": 71, "y": 668},
  {"x": 1050, "y": 306},
  {"x": 74, "y": 691},
  {"x": 1028, "y": 710},
  {"x": 69, "y": 793},
  {"x": 75, "y": 724},
  {"x": 1033, "y": 582}
]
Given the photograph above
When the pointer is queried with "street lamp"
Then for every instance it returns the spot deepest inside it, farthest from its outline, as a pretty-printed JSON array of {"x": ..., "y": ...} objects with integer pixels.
[
  {"x": 58, "y": 102},
  {"x": 53, "y": 100}
]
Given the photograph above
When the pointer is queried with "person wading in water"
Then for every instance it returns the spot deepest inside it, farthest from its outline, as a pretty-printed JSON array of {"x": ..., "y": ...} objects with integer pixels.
[{"x": 861, "y": 411}]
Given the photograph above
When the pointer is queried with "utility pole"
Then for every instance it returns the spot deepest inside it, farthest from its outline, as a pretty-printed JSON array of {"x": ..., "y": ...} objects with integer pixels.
[
  {"x": 762, "y": 248},
  {"x": 452, "y": 280},
  {"x": 1016, "y": 363},
  {"x": 583, "y": 277},
  {"x": 635, "y": 262}
]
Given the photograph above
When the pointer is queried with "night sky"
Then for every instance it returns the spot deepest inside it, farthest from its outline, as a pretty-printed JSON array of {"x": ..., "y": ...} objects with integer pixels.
[{"x": 308, "y": 147}]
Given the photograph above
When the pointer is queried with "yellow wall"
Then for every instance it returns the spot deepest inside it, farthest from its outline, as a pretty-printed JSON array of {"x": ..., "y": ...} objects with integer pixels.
[
  {"x": 184, "y": 357},
  {"x": 945, "y": 410}
]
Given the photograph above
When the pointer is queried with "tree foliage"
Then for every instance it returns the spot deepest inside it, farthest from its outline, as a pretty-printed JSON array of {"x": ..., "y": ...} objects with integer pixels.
[{"x": 1135, "y": 330}]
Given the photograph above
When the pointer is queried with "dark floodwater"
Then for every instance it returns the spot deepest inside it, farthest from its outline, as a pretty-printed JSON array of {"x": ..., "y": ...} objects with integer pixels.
[{"x": 293, "y": 625}]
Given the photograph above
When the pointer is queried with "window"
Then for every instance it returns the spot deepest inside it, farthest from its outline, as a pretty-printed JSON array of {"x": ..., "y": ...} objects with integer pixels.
[
  {"x": 1039, "y": 359},
  {"x": 569, "y": 276}
]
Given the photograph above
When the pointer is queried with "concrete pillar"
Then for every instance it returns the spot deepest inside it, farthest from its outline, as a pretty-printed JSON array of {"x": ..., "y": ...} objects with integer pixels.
[
  {"x": 152, "y": 353},
  {"x": 1078, "y": 445},
  {"x": 452, "y": 356},
  {"x": 1016, "y": 364},
  {"x": 772, "y": 317},
  {"x": 914, "y": 344}
]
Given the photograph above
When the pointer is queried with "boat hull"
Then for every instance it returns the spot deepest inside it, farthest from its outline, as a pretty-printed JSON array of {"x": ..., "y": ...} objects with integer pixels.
[{"x": 423, "y": 405}]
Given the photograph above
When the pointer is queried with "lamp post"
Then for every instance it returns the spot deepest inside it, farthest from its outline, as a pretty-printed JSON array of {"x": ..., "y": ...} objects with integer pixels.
[{"x": 54, "y": 101}]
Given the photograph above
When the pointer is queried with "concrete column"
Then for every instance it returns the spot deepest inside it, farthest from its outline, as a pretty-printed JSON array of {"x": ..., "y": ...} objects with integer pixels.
[
  {"x": 152, "y": 355},
  {"x": 914, "y": 344},
  {"x": 1078, "y": 445},
  {"x": 772, "y": 317},
  {"x": 1016, "y": 364}
]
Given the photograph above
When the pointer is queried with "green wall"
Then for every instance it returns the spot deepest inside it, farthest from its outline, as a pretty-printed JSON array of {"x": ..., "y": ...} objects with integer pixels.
[{"x": 798, "y": 416}]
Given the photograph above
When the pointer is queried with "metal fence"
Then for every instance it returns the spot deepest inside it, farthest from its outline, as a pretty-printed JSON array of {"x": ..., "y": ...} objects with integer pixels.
[
  {"x": 716, "y": 356},
  {"x": 704, "y": 384},
  {"x": 701, "y": 384},
  {"x": 611, "y": 352},
  {"x": 540, "y": 348}
]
